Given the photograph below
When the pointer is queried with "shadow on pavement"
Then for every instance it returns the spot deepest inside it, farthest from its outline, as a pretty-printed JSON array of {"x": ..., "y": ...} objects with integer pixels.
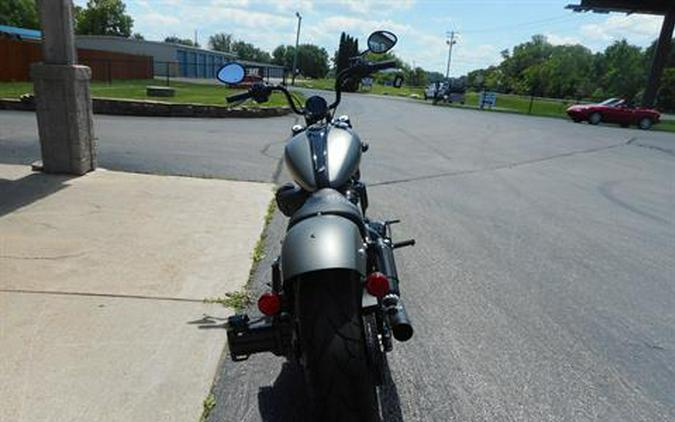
[
  {"x": 286, "y": 400},
  {"x": 15, "y": 194}
]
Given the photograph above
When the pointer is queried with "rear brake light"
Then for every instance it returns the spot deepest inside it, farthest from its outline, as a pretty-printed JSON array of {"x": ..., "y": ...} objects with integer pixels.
[
  {"x": 269, "y": 303},
  {"x": 377, "y": 284}
]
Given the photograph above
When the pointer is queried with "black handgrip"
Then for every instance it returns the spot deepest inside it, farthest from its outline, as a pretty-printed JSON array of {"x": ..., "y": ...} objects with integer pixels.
[
  {"x": 387, "y": 64},
  {"x": 239, "y": 97}
]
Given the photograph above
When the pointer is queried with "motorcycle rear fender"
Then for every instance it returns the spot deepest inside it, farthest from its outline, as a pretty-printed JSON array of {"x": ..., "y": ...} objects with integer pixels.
[{"x": 323, "y": 242}]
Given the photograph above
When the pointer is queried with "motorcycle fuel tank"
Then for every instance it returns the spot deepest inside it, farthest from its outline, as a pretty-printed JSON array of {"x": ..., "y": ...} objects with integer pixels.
[{"x": 323, "y": 157}]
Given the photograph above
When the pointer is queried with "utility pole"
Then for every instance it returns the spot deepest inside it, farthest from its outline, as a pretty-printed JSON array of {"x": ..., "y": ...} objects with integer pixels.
[
  {"x": 295, "y": 55},
  {"x": 451, "y": 41}
]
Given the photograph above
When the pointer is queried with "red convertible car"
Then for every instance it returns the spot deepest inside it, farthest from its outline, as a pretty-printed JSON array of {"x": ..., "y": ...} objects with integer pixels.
[{"x": 615, "y": 110}]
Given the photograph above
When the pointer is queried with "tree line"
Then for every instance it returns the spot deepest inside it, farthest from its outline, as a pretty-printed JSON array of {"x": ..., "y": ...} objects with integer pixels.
[
  {"x": 537, "y": 67},
  {"x": 99, "y": 17}
]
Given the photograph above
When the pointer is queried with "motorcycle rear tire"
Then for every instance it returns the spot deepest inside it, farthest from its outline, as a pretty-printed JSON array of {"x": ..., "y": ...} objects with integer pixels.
[{"x": 333, "y": 347}]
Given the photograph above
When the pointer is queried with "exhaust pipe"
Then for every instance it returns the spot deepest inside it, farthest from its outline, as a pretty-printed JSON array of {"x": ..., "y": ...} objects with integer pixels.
[
  {"x": 396, "y": 313},
  {"x": 398, "y": 318}
]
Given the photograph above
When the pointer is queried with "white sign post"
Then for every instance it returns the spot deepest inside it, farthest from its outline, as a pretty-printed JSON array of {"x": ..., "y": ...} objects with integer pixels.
[{"x": 488, "y": 99}]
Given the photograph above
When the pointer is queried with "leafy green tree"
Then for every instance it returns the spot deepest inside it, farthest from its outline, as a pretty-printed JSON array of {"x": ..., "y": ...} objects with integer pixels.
[
  {"x": 651, "y": 50},
  {"x": 348, "y": 47},
  {"x": 528, "y": 54},
  {"x": 312, "y": 59},
  {"x": 417, "y": 77},
  {"x": 247, "y": 51},
  {"x": 182, "y": 41},
  {"x": 221, "y": 42},
  {"x": 666, "y": 98},
  {"x": 567, "y": 73},
  {"x": 20, "y": 13},
  {"x": 244, "y": 50},
  {"x": 623, "y": 74},
  {"x": 104, "y": 17},
  {"x": 281, "y": 56},
  {"x": 435, "y": 77},
  {"x": 137, "y": 36}
]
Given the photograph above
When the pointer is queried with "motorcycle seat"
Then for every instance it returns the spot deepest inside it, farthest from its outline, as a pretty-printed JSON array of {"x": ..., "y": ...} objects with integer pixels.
[{"x": 331, "y": 202}]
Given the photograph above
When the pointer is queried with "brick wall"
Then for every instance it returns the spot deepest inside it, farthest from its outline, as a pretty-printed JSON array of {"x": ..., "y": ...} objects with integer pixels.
[{"x": 16, "y": 57}]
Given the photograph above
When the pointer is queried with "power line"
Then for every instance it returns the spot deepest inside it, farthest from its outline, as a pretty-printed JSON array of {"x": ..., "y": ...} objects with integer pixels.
[{"x": 557, "y": 19}]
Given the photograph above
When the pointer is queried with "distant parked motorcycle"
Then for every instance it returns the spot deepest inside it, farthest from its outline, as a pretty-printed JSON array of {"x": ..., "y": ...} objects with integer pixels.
[{"x": 334, "y": 304}]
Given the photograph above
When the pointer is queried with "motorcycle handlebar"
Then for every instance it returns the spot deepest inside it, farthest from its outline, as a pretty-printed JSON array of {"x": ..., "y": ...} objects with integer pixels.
[
  {"x": 262, "y": 92},
  {"x": 359, "y": 70},
  {"x": 239, "y": 97},
  {"x": 387, "y": 64}
]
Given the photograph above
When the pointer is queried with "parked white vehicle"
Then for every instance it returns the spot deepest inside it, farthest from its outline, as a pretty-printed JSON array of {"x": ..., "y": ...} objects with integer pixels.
[
  {"x": 442, "y": 91},
  {"x": 436, "y": 88}
]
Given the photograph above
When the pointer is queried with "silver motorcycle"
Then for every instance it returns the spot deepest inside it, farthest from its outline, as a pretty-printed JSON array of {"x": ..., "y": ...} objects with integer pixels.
[{"x": 334, "y": 304}]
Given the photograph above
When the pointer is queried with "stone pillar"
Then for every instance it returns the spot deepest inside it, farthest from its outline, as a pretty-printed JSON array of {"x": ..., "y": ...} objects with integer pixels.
[{"x": 64, "y": 108}]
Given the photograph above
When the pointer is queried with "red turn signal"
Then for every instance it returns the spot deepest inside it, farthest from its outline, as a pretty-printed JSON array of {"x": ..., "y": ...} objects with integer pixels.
[
  {"x": 377, "y": 284},
  {"x": 269, "y": 303}
]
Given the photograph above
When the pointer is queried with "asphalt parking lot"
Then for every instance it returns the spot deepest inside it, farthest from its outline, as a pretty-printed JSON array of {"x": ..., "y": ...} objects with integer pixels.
[{"x": 541, "y": 286}]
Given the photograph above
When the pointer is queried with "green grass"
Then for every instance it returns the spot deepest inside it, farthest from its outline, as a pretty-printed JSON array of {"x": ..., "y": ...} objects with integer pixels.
[
  {"x": 208, "y": 404},
  {"x": 186, "y": 92},
  {"x": 241, "y": 299},
  {"x": 666, "y": 125},
  {"x": 540, "y": 107},
  {"x": 234, "y": 300},
  {"x": 404, "y": 91},
  {"x": 329, "y": 84}
]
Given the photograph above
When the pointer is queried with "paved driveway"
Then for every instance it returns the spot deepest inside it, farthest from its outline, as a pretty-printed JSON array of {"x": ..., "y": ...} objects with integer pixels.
[{"x": 542, "y": 284}]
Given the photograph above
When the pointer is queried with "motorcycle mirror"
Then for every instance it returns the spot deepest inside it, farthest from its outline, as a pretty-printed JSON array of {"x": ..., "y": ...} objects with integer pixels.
[
  {"x": 231, "y": 73},
  {"x": 381, "y": 41},
  {"x": 398, "y": 81}
]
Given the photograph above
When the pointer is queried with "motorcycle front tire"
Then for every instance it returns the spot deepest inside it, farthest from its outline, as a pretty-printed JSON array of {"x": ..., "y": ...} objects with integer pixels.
[{"x": 340, "y": 384}]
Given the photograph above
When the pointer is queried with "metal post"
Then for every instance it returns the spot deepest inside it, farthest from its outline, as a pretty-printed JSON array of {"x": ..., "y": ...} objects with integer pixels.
[
  {"x": 167, "y": 74},
  {"x": 660, "y": 58},
  {"x": 295, "y": 55}
]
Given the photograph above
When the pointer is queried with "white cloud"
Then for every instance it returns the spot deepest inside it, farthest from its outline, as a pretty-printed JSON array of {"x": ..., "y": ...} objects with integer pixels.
[
  {"x": 291, "y": 6},
  {"x": 158, "y": 19},
  {"x": 367, "y": 6},
  {"x": 363, "y": 26},
  {"x": 616, "y": 27},
  {"x": 230, "y": 3},
  {"x": 556, "y": 39}
]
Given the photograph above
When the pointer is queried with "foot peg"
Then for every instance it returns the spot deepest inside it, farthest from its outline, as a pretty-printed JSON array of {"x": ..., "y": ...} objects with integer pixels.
[{"x": 403, "y": 244}]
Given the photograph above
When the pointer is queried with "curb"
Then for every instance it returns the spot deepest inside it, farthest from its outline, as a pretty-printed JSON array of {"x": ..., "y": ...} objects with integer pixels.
[{"x": 155, "y": 108}]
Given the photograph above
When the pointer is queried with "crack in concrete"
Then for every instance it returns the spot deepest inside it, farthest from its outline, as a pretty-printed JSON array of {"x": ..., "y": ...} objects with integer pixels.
[
  {"x": 652, "y": 147},
  {"x": 46, "y": 258},
  {"x": 500, "y": 167},
  {"x": 103, "y": 295}
]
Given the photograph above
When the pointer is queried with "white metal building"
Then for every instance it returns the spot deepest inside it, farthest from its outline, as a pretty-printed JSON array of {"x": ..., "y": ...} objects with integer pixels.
[{"x": 175, "y": 59}]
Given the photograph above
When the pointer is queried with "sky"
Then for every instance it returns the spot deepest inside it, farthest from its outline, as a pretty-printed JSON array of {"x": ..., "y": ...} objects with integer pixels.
[{"x": 485, "y": 27}]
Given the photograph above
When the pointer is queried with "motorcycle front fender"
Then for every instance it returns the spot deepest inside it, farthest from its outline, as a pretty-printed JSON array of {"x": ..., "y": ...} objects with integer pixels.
[{"x": 322, "y": 242}]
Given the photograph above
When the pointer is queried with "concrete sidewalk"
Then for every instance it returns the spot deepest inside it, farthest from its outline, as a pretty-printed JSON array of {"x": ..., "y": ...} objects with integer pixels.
[{"x": 102, "y": 279}]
